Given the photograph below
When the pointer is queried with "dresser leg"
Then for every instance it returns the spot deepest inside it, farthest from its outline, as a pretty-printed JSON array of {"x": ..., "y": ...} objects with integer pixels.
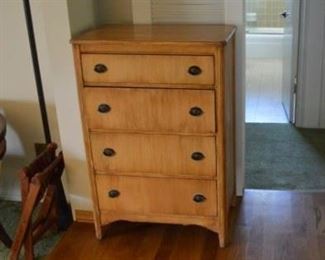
[
  {"x": 99, "y": 231},
  {"x": 222, "y": 240}
]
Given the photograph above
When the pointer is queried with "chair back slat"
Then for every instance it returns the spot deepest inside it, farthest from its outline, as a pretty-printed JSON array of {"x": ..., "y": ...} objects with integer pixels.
[
  {"x": 40, "y": 186},
  {"x": 42, "y": 161}
]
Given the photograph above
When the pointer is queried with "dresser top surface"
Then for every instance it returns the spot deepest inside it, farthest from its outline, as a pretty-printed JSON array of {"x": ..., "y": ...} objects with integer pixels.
[{"x": 216, "y": 34}]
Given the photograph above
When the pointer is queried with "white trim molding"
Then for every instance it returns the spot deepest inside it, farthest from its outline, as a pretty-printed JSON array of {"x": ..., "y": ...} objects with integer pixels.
[
  {"x": 235, "y": 14},
  {"x": 311, "y": 78}
]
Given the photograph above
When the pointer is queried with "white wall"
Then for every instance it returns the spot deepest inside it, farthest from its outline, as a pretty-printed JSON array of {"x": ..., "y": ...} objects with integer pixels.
[
  {"x": 188, "y": 11},
  {"x": 74, "y": 17},
  {"x": 311, "y": 81},
  {"x": 18, "y": 97},
  {"x": 83, "y": 14},
  {"x": 115, "y": 11}
]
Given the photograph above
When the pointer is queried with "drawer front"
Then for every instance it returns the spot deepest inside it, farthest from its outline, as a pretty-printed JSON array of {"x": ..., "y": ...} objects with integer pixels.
[
  {"x": 150, "y": 109},
  {"x": 157, "y": 195},
  {"x": 152, "y": 69},
  {"x": 117, "y": 153}
]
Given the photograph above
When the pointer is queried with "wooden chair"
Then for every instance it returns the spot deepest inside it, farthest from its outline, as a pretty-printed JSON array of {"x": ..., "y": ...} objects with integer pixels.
[
  {"x": 40, "y": 188},
  {"x": 4, "y": 238}
]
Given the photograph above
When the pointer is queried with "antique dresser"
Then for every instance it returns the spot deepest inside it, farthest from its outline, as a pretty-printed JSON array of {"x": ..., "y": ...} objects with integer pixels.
[{"x": 158, "y": 111}]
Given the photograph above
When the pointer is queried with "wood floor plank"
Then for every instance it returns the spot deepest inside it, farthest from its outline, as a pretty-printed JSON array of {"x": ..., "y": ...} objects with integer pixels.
[
  {"x": 191, "y": 237},
  {"x": 270, "y": 225},
  {"x": 168, "y": 243}
]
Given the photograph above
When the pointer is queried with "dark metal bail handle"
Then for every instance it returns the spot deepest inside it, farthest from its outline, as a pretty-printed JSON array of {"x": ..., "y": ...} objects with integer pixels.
[
  {"x": 199, "y": 198},
  {"x": 104, "y": 108},
  {"x": 100, "y": 68},
  {"x": 113, "y": 193},
  {"x": 194, "y": 70},
  {"x": 109, "y": 152},
  {"x": 197, "y": 156},
  {"x": 196, "y": 111}
]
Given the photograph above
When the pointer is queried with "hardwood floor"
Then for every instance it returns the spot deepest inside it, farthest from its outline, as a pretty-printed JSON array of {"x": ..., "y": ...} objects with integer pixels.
[{"x": 270, "y": 225}]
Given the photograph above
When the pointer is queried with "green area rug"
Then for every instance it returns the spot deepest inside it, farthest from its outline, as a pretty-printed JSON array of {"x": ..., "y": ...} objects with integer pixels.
[
  {"x": 282, "y": 157},
  {"x": 9, "y": 217}
]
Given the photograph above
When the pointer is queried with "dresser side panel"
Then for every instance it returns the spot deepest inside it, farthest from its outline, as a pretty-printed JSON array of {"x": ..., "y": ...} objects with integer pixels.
[
  {"x": 78, "y": 71},
  {"x": 230, "y": 122}
]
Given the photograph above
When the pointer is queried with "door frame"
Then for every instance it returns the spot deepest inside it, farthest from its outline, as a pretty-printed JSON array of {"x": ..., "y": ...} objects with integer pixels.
[
  {"x": 295, "y": 61},
  {"x": 310, "y": 109}
]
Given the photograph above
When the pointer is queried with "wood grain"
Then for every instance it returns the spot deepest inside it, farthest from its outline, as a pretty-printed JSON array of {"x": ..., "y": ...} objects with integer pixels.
[
  {"x": 84, "y": 216},
  {"x": 209, "y": 222},
  {"x": 270, "y": 225},
  {"x": 150, "y": 91},
  {"x": 169, "y": 155},
  {"x": 77, "y": 63},
  {"x": 162, "y": 48},
  {"x": 230, "y": 120},
  {"x": 163, "y": 69},
  {"x": 181, "y": 33},
  {"x": 153, "y": 195},
  {"x": 165, "y": 110}
]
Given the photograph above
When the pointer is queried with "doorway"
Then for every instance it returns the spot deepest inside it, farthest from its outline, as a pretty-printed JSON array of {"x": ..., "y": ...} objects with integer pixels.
[
  {"x": 270, "y": 60},
  {"x": 279, "y": 155}
]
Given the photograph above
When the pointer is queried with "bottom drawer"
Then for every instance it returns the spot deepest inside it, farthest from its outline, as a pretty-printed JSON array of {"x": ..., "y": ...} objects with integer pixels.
[{"x": 157, "y": 195}]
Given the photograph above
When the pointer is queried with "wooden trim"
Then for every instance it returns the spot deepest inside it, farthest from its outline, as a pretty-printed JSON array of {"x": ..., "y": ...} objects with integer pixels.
[
  {"x": 234, "y": 112},
  {"x": 150, "y": 85},
  {"x": 221, "y": 150},
  {"x": 143, "y": 132},
  {"x": 195, "y": 48},
  {"x": 156, "y": 175},
  {"x": 210, "y": 222},
  {"x": 84, "y": 216}
]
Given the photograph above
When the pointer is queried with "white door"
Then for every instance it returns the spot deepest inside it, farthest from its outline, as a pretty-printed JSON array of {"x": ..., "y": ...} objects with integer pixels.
[{"x": 290, "y": 56}]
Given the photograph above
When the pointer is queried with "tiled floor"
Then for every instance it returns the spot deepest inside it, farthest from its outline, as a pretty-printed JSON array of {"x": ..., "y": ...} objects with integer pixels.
[{"x": 264, "y": 91}]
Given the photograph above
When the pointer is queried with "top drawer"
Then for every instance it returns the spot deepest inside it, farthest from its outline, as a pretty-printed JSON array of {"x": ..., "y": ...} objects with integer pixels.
[{"x": 151, "y": 69}]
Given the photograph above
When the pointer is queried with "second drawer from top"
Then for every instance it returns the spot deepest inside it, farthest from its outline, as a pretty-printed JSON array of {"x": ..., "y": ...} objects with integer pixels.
[{"x": 157, "y": 110}]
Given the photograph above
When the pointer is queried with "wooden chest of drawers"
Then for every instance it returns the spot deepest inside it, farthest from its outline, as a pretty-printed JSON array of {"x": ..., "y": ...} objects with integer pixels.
[{"x": 158, "y": 111}]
